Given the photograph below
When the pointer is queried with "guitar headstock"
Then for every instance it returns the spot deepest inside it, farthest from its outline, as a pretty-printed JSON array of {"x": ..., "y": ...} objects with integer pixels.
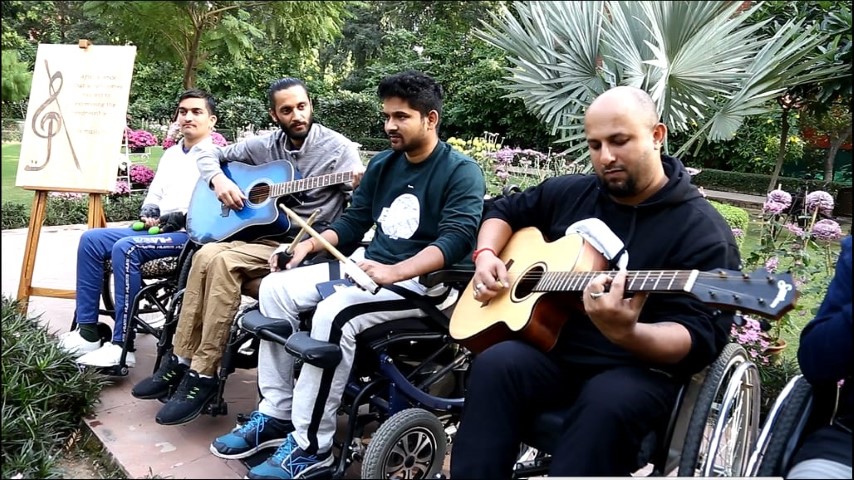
[{"x": 761, "y": 293}]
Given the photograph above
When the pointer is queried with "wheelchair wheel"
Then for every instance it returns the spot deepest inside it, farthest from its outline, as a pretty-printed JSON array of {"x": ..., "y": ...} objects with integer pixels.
[
  {"x": 780, "y": 435},
  {"x": 410, "y": 444},
  {"x": 725, "y": 418}
]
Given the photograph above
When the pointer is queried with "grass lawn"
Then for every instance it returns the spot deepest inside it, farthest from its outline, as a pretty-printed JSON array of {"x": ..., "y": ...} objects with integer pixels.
[{"x": 11, "y": 153}]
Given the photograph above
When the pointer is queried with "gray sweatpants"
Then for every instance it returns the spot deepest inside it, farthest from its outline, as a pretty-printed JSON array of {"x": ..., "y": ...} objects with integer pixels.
[{"x": 312, "y": 404}]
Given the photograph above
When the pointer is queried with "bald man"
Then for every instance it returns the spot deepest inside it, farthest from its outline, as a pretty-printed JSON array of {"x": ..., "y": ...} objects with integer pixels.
[{"x": 617, "y": 364}]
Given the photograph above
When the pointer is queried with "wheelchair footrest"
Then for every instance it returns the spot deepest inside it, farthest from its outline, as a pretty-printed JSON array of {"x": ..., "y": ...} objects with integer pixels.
[{"x": 314, "y": 352}]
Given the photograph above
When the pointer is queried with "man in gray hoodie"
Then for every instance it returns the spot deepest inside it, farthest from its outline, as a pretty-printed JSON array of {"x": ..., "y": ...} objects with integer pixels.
[{"x": 212, "y": 295}]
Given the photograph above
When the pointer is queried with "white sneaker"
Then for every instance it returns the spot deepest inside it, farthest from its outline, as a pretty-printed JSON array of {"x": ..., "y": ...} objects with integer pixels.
[
  {"x": 76, "y": 345},
  {"x": 107, "y": 356}
]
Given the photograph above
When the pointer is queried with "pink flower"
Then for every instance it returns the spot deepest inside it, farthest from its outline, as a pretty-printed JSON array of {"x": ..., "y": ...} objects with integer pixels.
[
  {"x": 737, "y": 232},
  {"x": 122, "y": 188},
  {"x": 140, "y": 138},
  {"x": 141, "y": 174},
  {"x": 218, "y": 139},
  {"x": 826, "y": 230},
  {"x": 820, "y": 200},
  {"x": 772, "y": 207},
  {"x": 794, "y": 229},
  {"x": 780, "y": 196},
  {"x": 771, "y": 264}
]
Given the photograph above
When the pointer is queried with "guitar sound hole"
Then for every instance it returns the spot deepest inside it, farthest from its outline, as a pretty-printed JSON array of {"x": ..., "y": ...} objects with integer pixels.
[
  {"x": 259, "y": 193},
  {"x": 527, "y": 282}
]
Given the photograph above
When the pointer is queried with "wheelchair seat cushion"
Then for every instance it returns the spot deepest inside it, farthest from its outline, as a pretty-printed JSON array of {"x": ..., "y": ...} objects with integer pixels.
[
  {"x": 383, "y": 333},
  {"x": 157, "y": 268}
]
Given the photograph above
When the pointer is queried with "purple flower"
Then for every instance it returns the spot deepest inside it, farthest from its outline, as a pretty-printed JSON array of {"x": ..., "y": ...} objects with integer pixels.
[
  {"x": 826, "y": 230},
  {"x": 737, "y": 232},
  {"x": 780, "y": 196},
  {"x": 66, "y": 195},
  {"x": 771, "y": 264},
  {"x": 795, "y": 229},
  {"x": 820, "y": 200},
  {"x": 772, "y": 207}
]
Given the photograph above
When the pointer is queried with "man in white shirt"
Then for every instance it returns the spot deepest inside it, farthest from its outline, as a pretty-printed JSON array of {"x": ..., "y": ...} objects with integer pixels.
[{"x": 165, "y": 206}]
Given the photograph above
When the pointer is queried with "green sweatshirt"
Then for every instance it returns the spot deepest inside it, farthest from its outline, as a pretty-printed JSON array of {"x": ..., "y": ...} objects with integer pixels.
[{"x": 436, "y": 202}]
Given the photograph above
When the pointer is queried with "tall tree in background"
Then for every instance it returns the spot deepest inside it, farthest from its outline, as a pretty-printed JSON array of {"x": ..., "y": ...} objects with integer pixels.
[
  {"x": 189, "y": 32},
  {"x": 16, "y": 77}
]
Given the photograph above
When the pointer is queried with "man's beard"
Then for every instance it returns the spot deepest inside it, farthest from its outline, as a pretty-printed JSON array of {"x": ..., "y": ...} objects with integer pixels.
[
  {"x": 297, "y": 135},
  {"x": 621, "y": 190}
]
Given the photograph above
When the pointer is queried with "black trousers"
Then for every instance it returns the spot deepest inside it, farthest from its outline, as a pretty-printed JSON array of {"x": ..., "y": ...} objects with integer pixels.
[{"x": 611, "y": 411}]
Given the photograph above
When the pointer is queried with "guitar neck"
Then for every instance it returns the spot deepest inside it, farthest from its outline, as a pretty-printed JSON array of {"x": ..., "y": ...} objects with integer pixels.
[
  {"x": 636, "y": 281},
  {"x": 310, "y": 183}
]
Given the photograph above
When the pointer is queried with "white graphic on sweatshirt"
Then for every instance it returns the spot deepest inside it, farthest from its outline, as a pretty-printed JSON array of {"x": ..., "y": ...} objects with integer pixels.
[{"x": 401, "y": 219}]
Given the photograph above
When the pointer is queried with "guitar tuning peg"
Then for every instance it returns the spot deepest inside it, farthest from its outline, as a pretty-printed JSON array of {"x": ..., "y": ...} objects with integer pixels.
[{"x": 745, "y": 276}]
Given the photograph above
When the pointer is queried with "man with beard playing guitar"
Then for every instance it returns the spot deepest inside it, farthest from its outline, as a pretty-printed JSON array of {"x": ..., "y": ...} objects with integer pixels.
[
  {"x": 618, "y": 362},
  {"x": 212, "y": 295}
]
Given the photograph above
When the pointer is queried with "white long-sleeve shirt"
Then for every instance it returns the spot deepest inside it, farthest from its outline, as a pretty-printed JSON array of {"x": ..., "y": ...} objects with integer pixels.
[{"x": 175, "y": 179}]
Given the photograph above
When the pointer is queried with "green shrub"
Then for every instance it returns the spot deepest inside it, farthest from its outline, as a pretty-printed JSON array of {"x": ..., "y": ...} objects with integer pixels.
[
  {"x": 736, "y": 217},
  {"x": 354, "y": 115},
  {"x": 373, "y": 144},
  {"x": 73, "y": 210},
  {"x": 44, "y": 395},
  {"x": 754, "y": 183},
  {"x": 14, "y": 215},
  {"x": 236, "y": 112}
]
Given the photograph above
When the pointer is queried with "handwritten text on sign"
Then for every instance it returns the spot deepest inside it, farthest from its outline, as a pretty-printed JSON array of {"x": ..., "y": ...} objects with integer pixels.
[{"x": 75, "y": 118}]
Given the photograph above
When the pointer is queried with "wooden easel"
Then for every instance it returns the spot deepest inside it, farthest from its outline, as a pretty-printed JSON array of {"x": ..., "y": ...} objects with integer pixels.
[{"x": 96, "y": 219}]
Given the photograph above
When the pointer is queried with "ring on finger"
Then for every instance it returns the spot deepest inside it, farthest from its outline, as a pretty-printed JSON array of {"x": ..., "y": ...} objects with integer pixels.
[
  {"x": 596, "y": 295},
  {"x": 478, "y": 287}
]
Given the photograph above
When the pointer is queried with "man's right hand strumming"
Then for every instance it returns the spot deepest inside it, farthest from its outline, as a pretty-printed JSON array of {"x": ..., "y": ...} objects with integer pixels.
[{"x": 228, "y": 192}]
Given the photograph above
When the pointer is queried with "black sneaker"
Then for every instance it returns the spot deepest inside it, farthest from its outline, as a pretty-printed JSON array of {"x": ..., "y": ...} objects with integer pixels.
[
  {"x": 164, "y": 380},
  {"x": 260, "y": 432},
  {"x": 188, "y": 401}
]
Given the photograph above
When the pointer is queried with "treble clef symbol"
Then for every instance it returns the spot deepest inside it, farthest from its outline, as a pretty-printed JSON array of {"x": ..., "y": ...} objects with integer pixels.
[{"x": 48, "y": 126}]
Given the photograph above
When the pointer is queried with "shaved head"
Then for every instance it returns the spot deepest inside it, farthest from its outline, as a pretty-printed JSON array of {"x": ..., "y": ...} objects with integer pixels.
[
  {"x": 629, "y": 98},
  {"x": 624, "y": 137}
]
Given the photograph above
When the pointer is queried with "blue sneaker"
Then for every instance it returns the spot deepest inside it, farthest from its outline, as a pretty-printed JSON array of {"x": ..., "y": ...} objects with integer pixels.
[
  {"x": 290, "y": 461},
  {"x": 260, "y": 432}
]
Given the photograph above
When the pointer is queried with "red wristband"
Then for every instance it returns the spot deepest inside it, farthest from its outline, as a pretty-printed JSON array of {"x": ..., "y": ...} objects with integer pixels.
[{"x": 481, "y": 250}]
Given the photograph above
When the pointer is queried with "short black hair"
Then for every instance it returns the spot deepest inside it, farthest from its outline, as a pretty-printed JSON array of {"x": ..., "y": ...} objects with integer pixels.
[
  {"x": 420, "y": 90},
  {"x": 283, "y": 83},
  {"x": 198, "y": 93}
]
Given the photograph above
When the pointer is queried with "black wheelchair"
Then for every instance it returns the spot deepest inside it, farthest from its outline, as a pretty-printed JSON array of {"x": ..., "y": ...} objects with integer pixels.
[
  {"x": 407, "y": 381},
  {"x": 152, "y": 309},
  {"x": 710, "y": 432},
  {"x": 798, "y": 410}
]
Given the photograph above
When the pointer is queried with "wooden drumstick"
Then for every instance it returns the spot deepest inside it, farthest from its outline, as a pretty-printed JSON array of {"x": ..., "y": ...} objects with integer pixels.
[
  {"x": 293, "y": 245},
  {"x": 350, "y": 268}
]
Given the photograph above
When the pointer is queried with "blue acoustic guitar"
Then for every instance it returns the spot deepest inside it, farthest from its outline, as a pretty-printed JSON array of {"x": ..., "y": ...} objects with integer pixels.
[{"x": 208, "y": 220}]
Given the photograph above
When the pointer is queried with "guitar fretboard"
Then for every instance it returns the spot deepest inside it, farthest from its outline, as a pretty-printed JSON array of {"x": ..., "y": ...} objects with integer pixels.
[
  {"x": 294, "y": 186},
  {"x": 637, "y": 281}
]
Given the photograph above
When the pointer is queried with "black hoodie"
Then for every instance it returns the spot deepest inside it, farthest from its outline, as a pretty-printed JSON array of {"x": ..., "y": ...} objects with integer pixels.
[{"x": 675, "y": 229}]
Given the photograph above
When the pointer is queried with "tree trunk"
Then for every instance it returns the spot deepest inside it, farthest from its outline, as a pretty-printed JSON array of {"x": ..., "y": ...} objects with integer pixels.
[
  {"x": 192, "y": 60},
  {"x": 781, "y": 155},
  {"x": 835, "y": 144}
]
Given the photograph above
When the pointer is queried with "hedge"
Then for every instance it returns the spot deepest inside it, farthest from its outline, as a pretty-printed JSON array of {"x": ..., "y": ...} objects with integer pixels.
[{"x": 757, "y": 184}]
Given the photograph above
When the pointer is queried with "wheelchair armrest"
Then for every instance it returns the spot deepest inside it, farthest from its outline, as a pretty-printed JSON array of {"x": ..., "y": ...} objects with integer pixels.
[
  {"x": 452, "y": 275},
  {"x": 266, "y": 328},
  {"x": 315, "y": 352}
]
